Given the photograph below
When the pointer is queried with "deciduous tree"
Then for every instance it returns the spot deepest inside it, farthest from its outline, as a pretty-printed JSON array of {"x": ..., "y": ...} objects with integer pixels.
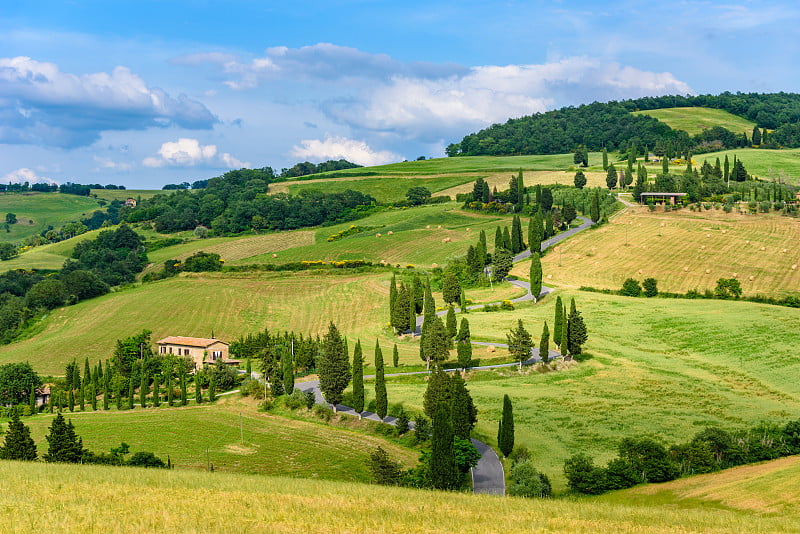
[{"x": 520, "y": 343}]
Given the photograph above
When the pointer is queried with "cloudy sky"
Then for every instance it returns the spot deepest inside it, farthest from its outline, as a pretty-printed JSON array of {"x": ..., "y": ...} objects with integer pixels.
[{"x": 148, "y": 92}]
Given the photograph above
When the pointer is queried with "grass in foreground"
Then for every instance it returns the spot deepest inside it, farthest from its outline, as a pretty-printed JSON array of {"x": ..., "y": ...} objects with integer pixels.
[
  {"x": 663, "y": 368},
  {"x": 694, "y": 120},
  {"x": 682, "y": 250},
  {"x": 36, "y": 496},
  {"x": 194, "y": 436}
]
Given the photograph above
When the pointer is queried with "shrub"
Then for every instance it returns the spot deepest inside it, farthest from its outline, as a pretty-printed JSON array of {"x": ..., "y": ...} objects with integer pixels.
[
  {"x": 146, "y": 459},
  {"x": 650, "y": 286},
  {"x": 384, "y": 470},
  {"x": 507, "y": 305},
  {"x": 630, "y": 288},
  {"x": 310, "y": 399},
  {"x": 583, "y": 476},
  {"x": 527, "y": 481},
  {"x": 323, "y": 412}
]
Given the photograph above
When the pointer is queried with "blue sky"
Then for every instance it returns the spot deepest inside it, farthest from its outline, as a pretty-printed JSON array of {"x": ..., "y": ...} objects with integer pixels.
[{"x": 151, "y": 92}]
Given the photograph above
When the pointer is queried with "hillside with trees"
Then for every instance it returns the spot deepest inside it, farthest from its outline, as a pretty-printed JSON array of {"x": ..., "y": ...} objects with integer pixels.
[{"x": 612, "y": 126}]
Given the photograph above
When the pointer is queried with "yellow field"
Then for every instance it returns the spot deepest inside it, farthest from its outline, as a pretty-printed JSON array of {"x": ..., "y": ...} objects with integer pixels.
[
  {"x": 593, "y": 179},
  {"x": 682, "y": 250},
  {"x": 767, "y": 488},
  {"x": 95, "y": 499}
]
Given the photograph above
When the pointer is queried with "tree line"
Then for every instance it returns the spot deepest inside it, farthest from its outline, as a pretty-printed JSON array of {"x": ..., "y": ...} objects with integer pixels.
[{"x": 612, "y": 126}]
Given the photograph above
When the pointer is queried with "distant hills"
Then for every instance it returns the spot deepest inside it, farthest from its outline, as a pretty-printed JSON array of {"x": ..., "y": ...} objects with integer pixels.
[{"x": 614, "y": 126}]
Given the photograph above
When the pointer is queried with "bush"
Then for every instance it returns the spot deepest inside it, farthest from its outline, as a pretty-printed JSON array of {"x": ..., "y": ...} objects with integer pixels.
[
  {"x": 146, "y": 459},
  {"x": 310, "y": 399},
  {"x": 630, "y": 288},
  {"x": 323, "y": 412},
  {"x": 583, "y": 476},
  {"x": 507, "y": 305},
  {"x": 294, "y": 401},
  {"x": 650, "y": 287},
  {"x": 527, "y": 481},
  {"x": 385, "y": 471}
]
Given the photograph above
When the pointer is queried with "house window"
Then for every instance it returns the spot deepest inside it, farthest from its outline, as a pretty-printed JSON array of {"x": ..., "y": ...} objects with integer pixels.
[
  {"x": 170, "y": 350},
  {"x": 217, "y": 354},
  {"x": 163, "y": 349}
]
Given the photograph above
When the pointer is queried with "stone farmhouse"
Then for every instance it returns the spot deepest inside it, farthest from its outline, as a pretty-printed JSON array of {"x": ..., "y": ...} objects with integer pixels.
[{"x": 201, "y": 350}]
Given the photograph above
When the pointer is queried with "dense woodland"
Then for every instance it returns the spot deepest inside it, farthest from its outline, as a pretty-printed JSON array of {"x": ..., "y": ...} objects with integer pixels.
[{"x": 612, "y": 126}]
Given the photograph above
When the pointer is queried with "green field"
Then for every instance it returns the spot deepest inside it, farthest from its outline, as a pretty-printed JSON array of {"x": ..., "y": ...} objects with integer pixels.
[
  {"x": 50, "y": 256},
  {"x": 78, "y": 499},
  {"x": 661, "y": 367},
  {"x": 694, "y": 120},
  {"x": 233, "y": 436},
  {"x": 36, "y": 212},
  {"x": 124, "y": 194},
  {"x": 766, "y": 164}
]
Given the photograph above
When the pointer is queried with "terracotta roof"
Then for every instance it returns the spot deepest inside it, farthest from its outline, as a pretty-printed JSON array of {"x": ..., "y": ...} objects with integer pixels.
[{"x": 189, "y": 341}]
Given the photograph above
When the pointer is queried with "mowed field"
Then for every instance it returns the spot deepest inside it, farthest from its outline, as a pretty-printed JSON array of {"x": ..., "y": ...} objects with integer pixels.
[
  {"x": 124, "y": 194},
  {"x": 682, "y": 250},
  {"x": 694, "y": 120},
  {"x": 233, "y": 436},
  {"x": 663, "y": 368},
  {"x": 33, "y": 497},
  {"x": 37, "y": 211},
  {"x": 770, "y": 488},
  {"x": 50, "y": 256},
  {"x": 766, "y": 164}
]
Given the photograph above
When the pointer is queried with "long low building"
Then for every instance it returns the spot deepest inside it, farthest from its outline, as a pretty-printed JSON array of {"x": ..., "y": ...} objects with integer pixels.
[
  {"x": 201, "y": 350},
  {"x": 662, "y": 197}
]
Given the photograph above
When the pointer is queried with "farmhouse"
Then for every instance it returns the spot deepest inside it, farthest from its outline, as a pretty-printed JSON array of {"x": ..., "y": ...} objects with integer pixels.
[
  {"x": 662, "y": 197},
  {"x": 201, "y": 350},
  {"x": 130, "y": 202}
]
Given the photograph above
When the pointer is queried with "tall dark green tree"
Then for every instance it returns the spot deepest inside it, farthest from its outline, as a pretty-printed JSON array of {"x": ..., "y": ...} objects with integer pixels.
[
  {"x": 594, "y": 210},
  {"x": 444, "y": 473},
  {"x": 505, "y": 431},
  {"x": 198, "y": 391},
  {"x": 563, "y": 347},
  {"x": 358, "y": 378},
  {"x": 499, "y": 243},
  {"x": 520, "y": 343},
  {"x": 71, "y": 400},
  {"x": 726, "y": 172},
  {"x": 392, "y": 298},
  {"x": 212, "y": 388},
  {"x": 507, "y": 245},
  {"x": 464, "y": 344},
  {"x": 333, "y": 367},
  {"x": 395, "y": 357},
  {"x": 63, "y": 445},
  {"x": 502, "y": 262},
  {"x": 381, "y": 400},
  {"x": 482, "y": 241},
  {"x": 605, "y": 159},
  {"x": 559, "y": 321},
  {"x": 157, "y": 391},
  {"x": 184, "y": 392},
  {"x": 451, "y": 287},
  {"x": 451, "y": 323},
  {"x": 287, "y": 371},
  {"x": 580, "y": 180},
  {"x": 106, "y": 390},
  {"x": 130, "y": 394},
  {"x": 544, "y": 344},
  {"x": 611, "y": 177},
  {"x": 143, "y": 387},
  {"x": 536, "y": 275},
  {"x": 438, "y": 391},
  {"x": 517, "y": 244},
  {"x": 435, "y": 343},
  {"x": 93, "y": 396},
  {"x": 756, "y": 137},
  {"x": 18, "y": 444},
  {"x": 535, "y": 232},
  {"x": 577, "y": 334},
  {"x": 463, "y": 412},
  {"x": 417, "y": 294}
]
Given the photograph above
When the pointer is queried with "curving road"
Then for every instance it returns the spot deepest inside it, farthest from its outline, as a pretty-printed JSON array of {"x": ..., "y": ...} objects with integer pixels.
[{"x": 488, "y": 476}]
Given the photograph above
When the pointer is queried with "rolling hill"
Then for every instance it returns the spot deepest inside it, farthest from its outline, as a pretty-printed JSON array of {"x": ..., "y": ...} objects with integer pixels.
[
  {"x": 36, "y": 212},
  {"x": 693, "y": 120}
]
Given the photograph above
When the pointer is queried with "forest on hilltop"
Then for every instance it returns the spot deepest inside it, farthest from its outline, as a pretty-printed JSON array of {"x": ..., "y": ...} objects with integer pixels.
[{"x": 612, "y": 126}]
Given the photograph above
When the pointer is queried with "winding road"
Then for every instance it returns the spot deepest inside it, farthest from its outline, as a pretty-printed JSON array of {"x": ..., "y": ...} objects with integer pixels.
[{"x": 488, "y": 476}]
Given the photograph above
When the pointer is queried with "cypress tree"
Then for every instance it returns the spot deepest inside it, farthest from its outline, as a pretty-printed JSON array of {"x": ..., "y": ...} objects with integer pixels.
[
  {"x": 212, "y": 389},
  {"x": 170, "y": 391},
  {"x": 536, "y": 275},
  {"x": 482, "y": 241},
  {"x": 106, "y": 389},
  {"x": 726, "y": 171},
  {"x": 450, "y": 323},
  {"x": 558, "y": 321},
  {"x": 611, "y": 177},
  {"x": 512, "y": 190},
  {"x": 32, "y": 399},
  {"x": 563, "y": 347},
  {"x": 498, "y": 239},
  {"x": 143, "y": 387},
  {"x": 520, "y": 200},
  {"x": 381, "y": 400},
  {"x": 395, "y": 357},
  {"x": 333, "y": 367},
  {"x": 507, "y": 240},
  {"x": 130, "y": 393},
  {"x": 82, "y": 396},
  {"x": 665, "y": 164},
  {"x": 577, "y": 334},
  {"x": 464, "y": 344},
  {"x": 451, "y": 287},
  {"x": 157, "y": 391},
  {"x": 392, "y": 298},
  {"x": 505, "y": 434},
  {"x": 756, "y": 137},
  {"x": 358, "y": 379},
  {"x": 71, "y": 400},
  {"x": 536, "y": 232},
  {"x": 438, "y": 391},
  {"x": 462, "y": 302},
  {"x": 435, "y": 342},
  {"x": 287, "y": 371},
  {"x": 417, "y": 295},
  {"x": 444, "y": 473},
  {"x": 463, "y": 413},
  {"x": 549, "y": 230},
  {"x": 18, "y": 443},
  {"x": 544, "y": 344},
  {"x": 480, "y": 258},
  {"x": 198, "y": 391},
  {"x": 87, "y": 372},
  {"x": 248, "y": 368},
  {"x": 184, "y": 393},
  {"x": 605, "y": 159},
  {"x": 93, "y": 396},
  {"x": 594, "y": 211},
  {"x": 517, "y": 244}
]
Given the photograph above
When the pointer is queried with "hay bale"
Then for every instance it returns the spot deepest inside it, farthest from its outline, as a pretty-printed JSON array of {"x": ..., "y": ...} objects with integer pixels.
[
  {"x": 389, "y": 233},
  {"x": 686, "y": 269},
  {"x": 783, "y": 251},
  {"x": 708, "y": 271},
  {"x": 434, "y": 264},
  {"x": 747, "y": 242},
  {"x": 274, "y": 255},
  {"x": 549, "y": 276},
  {"x": 439, "y": 227},
  {"x": 469, "y": 229},
  {"x": 377, "y": 235},
  {"x": 428, "y": 227},
  {"x": 446, "y": 240},
  {"x": 794, "y": 267},
  {"x": 490, "y": 349},
  {"x": 752, "y": 278},
  {"x": 703, "y": 247},
  {"x": 708, "y": 235},
  {"x": 763, "y": 248},
  {"x": 735, "y": 275}
]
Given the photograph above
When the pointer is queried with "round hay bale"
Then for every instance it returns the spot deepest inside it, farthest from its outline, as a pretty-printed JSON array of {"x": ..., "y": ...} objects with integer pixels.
[
  {"x": 751, "y": 278},
  {"x": 724, "y": 231},
  {"x": 640, "y": 271},
  {"x": 735, "y": 275},
  {"x": 274, "y": 255},
  {"x": 549, "y": 276},
  {"x": 686, "y": 269},
  {"x": 439, "y": 227},
  {"x": 469, "y": 229},
  {"x": 747, "y": 242},
  {"x": 703, "y": 247},
  {"x": 434, "y": 264},
  {"x": 661, "y": 224},
  {"x": 490, "y": 349},
  {"x": 794, "y": 267},
  {"x": 377, "y": 235},
  {"x": 428, "y": 227},
  {"x": 763, "y": 248},
  {"x": 389, "y": 233},
  {"x": 708, "y": 271},
  {"x": 708, "y": 235},
  {"x": 783, "y": 251}
]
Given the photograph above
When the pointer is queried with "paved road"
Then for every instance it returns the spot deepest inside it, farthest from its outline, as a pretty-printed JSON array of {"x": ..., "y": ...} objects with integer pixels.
[{"x": 488, "y": 476}]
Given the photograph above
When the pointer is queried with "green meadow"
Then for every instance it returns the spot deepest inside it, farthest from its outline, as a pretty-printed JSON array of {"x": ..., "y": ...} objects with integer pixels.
[
  {"x": 36, "y": 212},
  {"x": 694, "y": 120},
  {"x": 761, "y": 162}
]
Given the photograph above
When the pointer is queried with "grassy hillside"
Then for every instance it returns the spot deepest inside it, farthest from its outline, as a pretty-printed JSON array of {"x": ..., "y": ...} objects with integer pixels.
[
  {"x": 37, "y": 211},
  {"x": 770, "y": 488},
  {"x": 33, "y": 496},
  {"x": 682, "y": 250},
  {"x": 124, "y": 194},
  {"x": 764, "y": 163},
  {"x": 47, "y": 256},
  {"x": 661, "y": 367},
  {"x": 694, "y": 120},
  {"x": 193, "y": 436}
]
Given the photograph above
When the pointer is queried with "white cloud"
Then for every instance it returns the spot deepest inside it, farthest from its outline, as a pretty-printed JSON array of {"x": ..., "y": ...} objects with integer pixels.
[
  {"x": 20, "y": 176},
  {"x": 342, "y": 147},
  {"x": 39, "y": 104},
  {"x": 435, "y": 108},
  {"x": 187, "y": 152},
  {"x": 108, "y": 163}
]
